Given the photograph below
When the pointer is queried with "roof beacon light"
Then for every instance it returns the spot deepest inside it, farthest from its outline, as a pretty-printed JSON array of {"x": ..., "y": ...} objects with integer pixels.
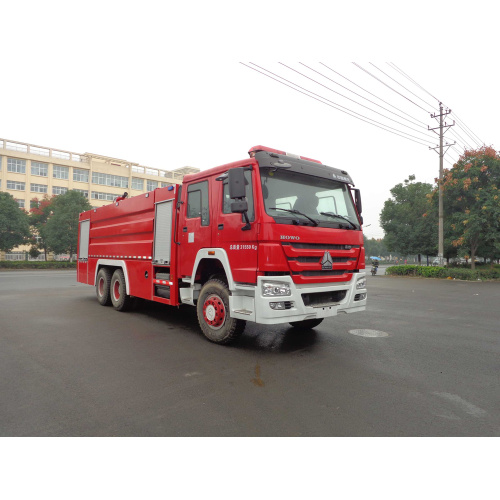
[{"x": 255, "y": 149}]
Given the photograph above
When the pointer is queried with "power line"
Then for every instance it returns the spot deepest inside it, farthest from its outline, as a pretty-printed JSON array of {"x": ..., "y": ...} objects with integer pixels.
[
  {"x": 459, "y": 121},
  {"x": 337, "y": 108},
  {"x": 413, "y": 81},
  {"x": 464, "y": 125},
  {"x": 352, "y": 100},
  {"x": 368, "y": 92},
  {"x": 359, "y": 95},
  {"x": 394, "y": 90},
  {"x": 401, "y": 85}
]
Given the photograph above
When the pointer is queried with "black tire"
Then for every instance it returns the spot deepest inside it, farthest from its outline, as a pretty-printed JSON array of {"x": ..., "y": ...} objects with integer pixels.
[
  {"x": 212, "y": 310},
  {"x": 307, "y": 324},
  {"x": 120, "y": 300},
  {"x": 102, "y": 286},
  {"x": 374, "y": 272}
]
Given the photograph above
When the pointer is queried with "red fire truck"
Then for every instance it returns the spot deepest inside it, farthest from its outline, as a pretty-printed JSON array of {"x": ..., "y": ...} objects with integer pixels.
[{"x": 275, "y": 238}]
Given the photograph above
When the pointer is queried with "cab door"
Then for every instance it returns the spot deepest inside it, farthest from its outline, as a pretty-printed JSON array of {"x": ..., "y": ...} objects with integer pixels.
[
  {"x": 240, "y": 244},
  {"x": 195, "y": 232}
]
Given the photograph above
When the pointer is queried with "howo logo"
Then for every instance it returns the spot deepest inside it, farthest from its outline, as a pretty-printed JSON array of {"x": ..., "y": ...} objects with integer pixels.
[
  {"x": 326, "y": 262},
  {"x": 284, "y": 237}
]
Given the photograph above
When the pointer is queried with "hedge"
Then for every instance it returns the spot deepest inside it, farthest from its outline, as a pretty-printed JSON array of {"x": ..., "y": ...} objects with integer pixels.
[
  {"x": 33, "y": 264},
  {"x": 445, "y": 272}
]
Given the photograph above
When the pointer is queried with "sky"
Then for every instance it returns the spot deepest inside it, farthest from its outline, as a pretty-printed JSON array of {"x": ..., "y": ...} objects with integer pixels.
[{"x": 164, "y": 85}]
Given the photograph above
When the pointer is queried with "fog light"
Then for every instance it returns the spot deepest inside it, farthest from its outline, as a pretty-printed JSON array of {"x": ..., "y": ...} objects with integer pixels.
[
  {"x": 277, "y": 305},
  {"x": 359, "y": 296}
]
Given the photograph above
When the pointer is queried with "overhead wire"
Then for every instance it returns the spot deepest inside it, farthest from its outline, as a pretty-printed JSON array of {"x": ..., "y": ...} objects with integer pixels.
[
  {"x": 388, "y": 86},
  {"x": 459, "y": 123},
  {"x": 368, "y": 92},
  {"x": 337, "y": 107},
  {"x": 352, "y": 100},
  {"x": 413, "y": 81},
  {"x": 401, "y": 85},
  {"x": 359, "y": 95}
]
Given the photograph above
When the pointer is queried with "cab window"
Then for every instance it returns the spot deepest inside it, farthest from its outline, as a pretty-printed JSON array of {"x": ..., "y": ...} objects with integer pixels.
[
  {"x": 226, "y": 200},
  {"x": 197, "y": 202}
]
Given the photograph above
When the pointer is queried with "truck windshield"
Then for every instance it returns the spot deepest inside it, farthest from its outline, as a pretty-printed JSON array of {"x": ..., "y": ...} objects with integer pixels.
[{"x": 317, "y": 198}]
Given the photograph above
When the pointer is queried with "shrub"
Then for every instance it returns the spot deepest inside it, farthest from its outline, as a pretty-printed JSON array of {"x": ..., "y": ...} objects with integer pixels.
[
  {"x": 26, "y": 264},
  {"x": 444, "y": 272}
]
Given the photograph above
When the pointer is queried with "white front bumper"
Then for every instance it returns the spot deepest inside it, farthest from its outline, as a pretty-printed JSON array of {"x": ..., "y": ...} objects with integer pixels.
[{"x": 247, "y": 302}]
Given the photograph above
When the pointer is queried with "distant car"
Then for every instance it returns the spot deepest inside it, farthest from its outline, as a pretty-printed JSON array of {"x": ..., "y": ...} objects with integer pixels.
[{"x": 436, "y": 262}]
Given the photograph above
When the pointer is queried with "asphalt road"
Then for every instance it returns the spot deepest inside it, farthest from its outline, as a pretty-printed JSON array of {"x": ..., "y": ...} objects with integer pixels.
[{"x": 70, "y": 367}]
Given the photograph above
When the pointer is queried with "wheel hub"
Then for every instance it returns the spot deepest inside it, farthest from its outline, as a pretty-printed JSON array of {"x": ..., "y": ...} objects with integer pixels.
[
  {"x": 214, "y": 312},
  {"x": 116, "y": 290}
]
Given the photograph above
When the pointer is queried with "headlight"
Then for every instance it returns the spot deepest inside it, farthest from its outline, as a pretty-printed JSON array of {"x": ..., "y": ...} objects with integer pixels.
[
  {"x": 361, "y": 283},
  {"x": 273, "y": 289}
]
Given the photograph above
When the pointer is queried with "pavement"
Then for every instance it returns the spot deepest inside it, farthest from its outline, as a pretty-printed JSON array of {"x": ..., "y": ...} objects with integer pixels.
[{"x": 423, "y": 360}]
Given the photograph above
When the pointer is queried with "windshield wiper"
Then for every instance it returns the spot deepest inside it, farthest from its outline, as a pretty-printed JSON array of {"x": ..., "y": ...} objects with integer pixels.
[
  {"x": 331, "y": 214},
  {"x": 295, "y": 212}
]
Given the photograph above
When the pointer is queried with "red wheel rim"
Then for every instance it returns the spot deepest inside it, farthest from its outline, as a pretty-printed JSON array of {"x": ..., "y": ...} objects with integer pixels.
[
  {"x": 116, "y": 290},
  {"x": 101, "y": 287},
  {"x": 214, "y": 312}
]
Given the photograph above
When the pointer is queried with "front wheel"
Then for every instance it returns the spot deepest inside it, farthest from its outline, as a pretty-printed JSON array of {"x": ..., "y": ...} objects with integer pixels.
[
  {"x": 374, "y": 271},
  {"x": 213, "y": 313},
  {"x": 307, "y": 324}
]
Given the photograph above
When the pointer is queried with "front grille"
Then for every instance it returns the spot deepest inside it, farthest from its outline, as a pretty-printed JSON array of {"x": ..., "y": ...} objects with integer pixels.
[
  {"x": 336, "y": 272},
  {"x": 315, "y": 260},
  {"x": 320, "y": 246},
  {"x": 319, "y": 299},
  {"x": 288, "y": 305}
]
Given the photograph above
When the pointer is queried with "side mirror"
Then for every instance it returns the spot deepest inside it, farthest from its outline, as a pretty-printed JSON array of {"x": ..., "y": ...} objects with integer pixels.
[
  {"x": 239, "y": 206},
  {"x": 357, "y": 200},
  {"x": 236, "y": 180}
]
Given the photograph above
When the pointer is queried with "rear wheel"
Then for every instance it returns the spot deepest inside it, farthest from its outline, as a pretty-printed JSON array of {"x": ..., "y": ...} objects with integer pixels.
[
  {"x": 307, "y": 324},
  {"x": 102, "y": 286},
  {"x": 119, "y": 298},
  {"x": 213, "y": 313}
]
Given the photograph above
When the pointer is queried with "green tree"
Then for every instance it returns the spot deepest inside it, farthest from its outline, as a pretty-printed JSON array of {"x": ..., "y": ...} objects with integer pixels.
[
  {"x": 408, "y": 219},
  {"x": 60, "y": 232},
  {"x": 14, "y": 223},
  {"x": 472, "y": 201},
  {"x": 39, "y": 214}
]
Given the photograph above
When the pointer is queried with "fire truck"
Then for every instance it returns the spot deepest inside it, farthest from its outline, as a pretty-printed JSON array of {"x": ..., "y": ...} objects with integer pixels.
[{"x": 275, "y": 238}]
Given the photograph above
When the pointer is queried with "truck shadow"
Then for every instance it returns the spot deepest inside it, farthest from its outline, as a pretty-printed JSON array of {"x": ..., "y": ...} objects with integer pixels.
[{"x": 270, "y": 338}]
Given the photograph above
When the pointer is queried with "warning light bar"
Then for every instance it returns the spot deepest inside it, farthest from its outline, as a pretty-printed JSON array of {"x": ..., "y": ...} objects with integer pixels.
[{"x": 255, "y": 149}]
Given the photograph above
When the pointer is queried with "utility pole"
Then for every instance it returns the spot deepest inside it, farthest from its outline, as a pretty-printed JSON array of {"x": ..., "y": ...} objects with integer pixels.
[{"x": 442, "y": 129}]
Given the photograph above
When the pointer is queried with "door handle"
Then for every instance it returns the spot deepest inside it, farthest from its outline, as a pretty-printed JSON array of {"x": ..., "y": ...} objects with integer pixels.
[{"x": 220, "y": 226}]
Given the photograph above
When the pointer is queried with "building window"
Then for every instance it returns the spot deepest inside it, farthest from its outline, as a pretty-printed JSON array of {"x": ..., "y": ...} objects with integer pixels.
[
  {"x": 150, "y": 185},
  {"x": 38, "y": 188},
  {"x": 82, "y": 191},
  {"x": 151, "y": 171},
  {"x": 103, "y": 196},
  {"x": 165, "y": 184},
  {"x": 137, "y": 183},
  {"x": 139, "y": 170},
  {"x": 15, "y": 256},
  {"x": 16, "y": 166},
  {"x": 59, "y": 190},
  {"x": 109, "y": 180},
  {"x": 80, "y": 175},
  {"x": 60, "y": 172},
  {"x": 20, "y": 203},
  {"x": 15, "y": 185},
  {"x": 40, "y": 169}
]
